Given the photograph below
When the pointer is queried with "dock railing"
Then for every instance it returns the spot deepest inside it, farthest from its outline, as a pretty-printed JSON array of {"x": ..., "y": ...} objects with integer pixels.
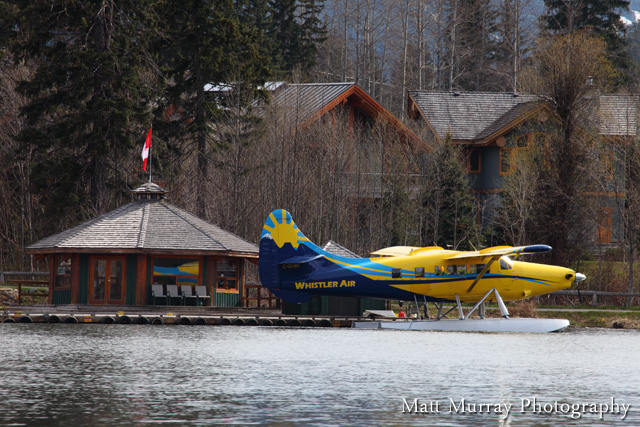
[{"x": 29, "y": 284}]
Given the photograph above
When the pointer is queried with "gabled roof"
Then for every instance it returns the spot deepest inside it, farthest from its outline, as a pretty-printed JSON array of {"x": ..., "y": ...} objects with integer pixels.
[
  {"x": 337, "y": 249},
  {"x": 146, "y": 226},
  {"x": 514, "y": 114},
  {"x": 307, "y": 102},
  {"x": 480, "y": 116},
  {"x": 467, "y": 116}
]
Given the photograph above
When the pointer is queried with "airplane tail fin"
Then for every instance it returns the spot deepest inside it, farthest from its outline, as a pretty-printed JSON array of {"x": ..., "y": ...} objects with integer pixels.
[{"x": 280, "y": 241}]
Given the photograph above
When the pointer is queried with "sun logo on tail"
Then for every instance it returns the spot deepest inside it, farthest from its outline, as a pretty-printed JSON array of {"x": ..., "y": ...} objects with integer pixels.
[{"x": 282, "y": 229}]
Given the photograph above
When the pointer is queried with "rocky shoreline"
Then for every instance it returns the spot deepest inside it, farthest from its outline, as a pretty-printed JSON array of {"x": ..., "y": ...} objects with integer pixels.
[{"x": 8, "y": 296}]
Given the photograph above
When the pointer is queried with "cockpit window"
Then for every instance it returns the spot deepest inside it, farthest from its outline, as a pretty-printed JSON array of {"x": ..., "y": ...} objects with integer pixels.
[{"x": 506, "y": 263}]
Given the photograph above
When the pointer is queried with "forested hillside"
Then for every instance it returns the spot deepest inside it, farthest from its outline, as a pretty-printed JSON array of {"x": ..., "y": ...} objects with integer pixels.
[{"x": 82, "y": 82}]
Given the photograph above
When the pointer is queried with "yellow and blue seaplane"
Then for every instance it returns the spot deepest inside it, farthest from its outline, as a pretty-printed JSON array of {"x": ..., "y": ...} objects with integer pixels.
[{"x": 295, "y": 269}]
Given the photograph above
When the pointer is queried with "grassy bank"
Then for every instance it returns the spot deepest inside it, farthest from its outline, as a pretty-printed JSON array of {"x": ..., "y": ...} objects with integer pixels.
[{"x": 596, "y": 318}]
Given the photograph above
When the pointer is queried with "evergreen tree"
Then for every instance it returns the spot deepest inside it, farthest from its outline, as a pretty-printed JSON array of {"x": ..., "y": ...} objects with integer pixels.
[
  {"x": 296, "y": 30},
  {"x": 450, "y": 214},
  {"x": 600, "y": 17},
  {"x": 213, "y": 47},
  {"x": 87, "y": 99}
]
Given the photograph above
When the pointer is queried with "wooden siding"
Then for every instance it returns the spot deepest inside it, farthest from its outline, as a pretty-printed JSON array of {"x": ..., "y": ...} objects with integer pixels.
[
  {"x": 61, "y": 297},
  {"x": 371, "y": 304},
  {"x": 226, "y": 300},
  {"x": 141, "y": 279},
  {"x": 130, "y": 280}
]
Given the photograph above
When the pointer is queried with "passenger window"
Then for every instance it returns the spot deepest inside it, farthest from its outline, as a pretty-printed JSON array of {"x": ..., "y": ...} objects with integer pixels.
[
  {"x": 419, "y": 271},
  {"x": 396, "y": 273},
  {"x": 439, "y": 271},
  {"x": 451, "y": 269},
  {"x": 462, "y": 269},
  {"x": 476, "y": 268}
]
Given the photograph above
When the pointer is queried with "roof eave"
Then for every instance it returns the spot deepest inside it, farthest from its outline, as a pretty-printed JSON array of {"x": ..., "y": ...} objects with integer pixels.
[
  {"x": 510, "y": 126},
  {"x": 59, "y": 250},
  {"x": 413, "y": 104}
]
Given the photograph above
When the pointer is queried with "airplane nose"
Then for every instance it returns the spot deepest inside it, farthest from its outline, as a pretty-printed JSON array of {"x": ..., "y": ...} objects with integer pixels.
[{"x": 580, "y": 277}]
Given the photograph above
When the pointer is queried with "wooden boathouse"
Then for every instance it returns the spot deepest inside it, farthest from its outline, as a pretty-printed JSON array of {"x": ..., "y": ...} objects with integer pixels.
[{"x": 146, "y": 252}]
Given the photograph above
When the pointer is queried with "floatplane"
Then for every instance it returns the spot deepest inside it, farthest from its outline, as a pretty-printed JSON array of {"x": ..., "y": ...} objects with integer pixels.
[{"x": 295, "y": 269}]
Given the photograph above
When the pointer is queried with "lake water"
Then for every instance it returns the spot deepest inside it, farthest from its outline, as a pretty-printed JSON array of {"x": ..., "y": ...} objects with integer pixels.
[{"x": 126, "y": 375}]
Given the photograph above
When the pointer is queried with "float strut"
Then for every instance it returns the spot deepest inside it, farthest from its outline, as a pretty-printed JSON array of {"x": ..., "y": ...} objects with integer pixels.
[
  {"x": 459, "y": 307},
  {"x": 426, "y": 307},
  {"x": 503, "y": 308},
  {"x": 480, "y": 304},
  {"x": 439, "y": 310},
  {"x": 415, "y": 298}
]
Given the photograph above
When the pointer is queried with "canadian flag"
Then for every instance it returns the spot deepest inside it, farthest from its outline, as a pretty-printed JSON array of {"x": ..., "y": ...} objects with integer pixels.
[{"x": 145, "y": 151}]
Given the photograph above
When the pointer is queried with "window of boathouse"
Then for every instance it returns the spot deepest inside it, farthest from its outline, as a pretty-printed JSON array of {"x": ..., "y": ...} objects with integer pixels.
[
  {"x": 227, "y": 274},
  {"x": 176, "y": 271}
]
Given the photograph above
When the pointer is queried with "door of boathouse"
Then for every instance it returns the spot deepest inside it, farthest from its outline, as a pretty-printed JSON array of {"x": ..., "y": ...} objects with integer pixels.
[{"x": 107, "y": 280}]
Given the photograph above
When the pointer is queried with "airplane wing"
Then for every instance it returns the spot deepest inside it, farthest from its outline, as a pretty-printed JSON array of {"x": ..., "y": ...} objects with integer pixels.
[
  {"x": 395, "y": 251},
  {"x": 495, "y": 253},
  {"x": 498, "y": 251}
]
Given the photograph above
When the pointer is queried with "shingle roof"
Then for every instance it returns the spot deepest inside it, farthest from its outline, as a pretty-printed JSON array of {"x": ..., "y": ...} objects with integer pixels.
[
  {"x": 467, "y": 115},
  {"x": 337, "y": 249},
  {"x": 474, "y": 116},
  {"x": 301, "y": 101},
  {"x": 619, "y": 114},
  {"x": 514, "y": 113},
  {"x": 146, "y": 225}
]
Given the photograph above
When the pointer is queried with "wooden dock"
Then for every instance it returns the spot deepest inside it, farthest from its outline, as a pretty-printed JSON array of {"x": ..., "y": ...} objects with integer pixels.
[{"x": 167, "y": 315}]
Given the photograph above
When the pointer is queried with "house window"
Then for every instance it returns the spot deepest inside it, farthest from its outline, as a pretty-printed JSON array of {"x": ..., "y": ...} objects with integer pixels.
[
  {"x": 473, "y": 161},
  {"x": 62, "y": 278},
  {"x": 176, "y": 271},
  {"x": 506, "y": 161},
  {"x": 522, "y": 141},
  {"x": 604, "y": 226},
  {"x": 607, "y": 163},
  {"x": 542, "y": 144},
  {"x": 227, "y": 275}
]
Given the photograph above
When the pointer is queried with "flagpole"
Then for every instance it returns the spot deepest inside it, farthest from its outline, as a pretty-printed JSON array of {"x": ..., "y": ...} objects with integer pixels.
[{"x": 150, "y": 158}]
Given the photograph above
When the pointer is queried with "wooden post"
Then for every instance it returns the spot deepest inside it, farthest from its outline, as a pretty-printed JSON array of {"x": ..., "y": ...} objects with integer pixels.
[{"x": 141, "y": 279}]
